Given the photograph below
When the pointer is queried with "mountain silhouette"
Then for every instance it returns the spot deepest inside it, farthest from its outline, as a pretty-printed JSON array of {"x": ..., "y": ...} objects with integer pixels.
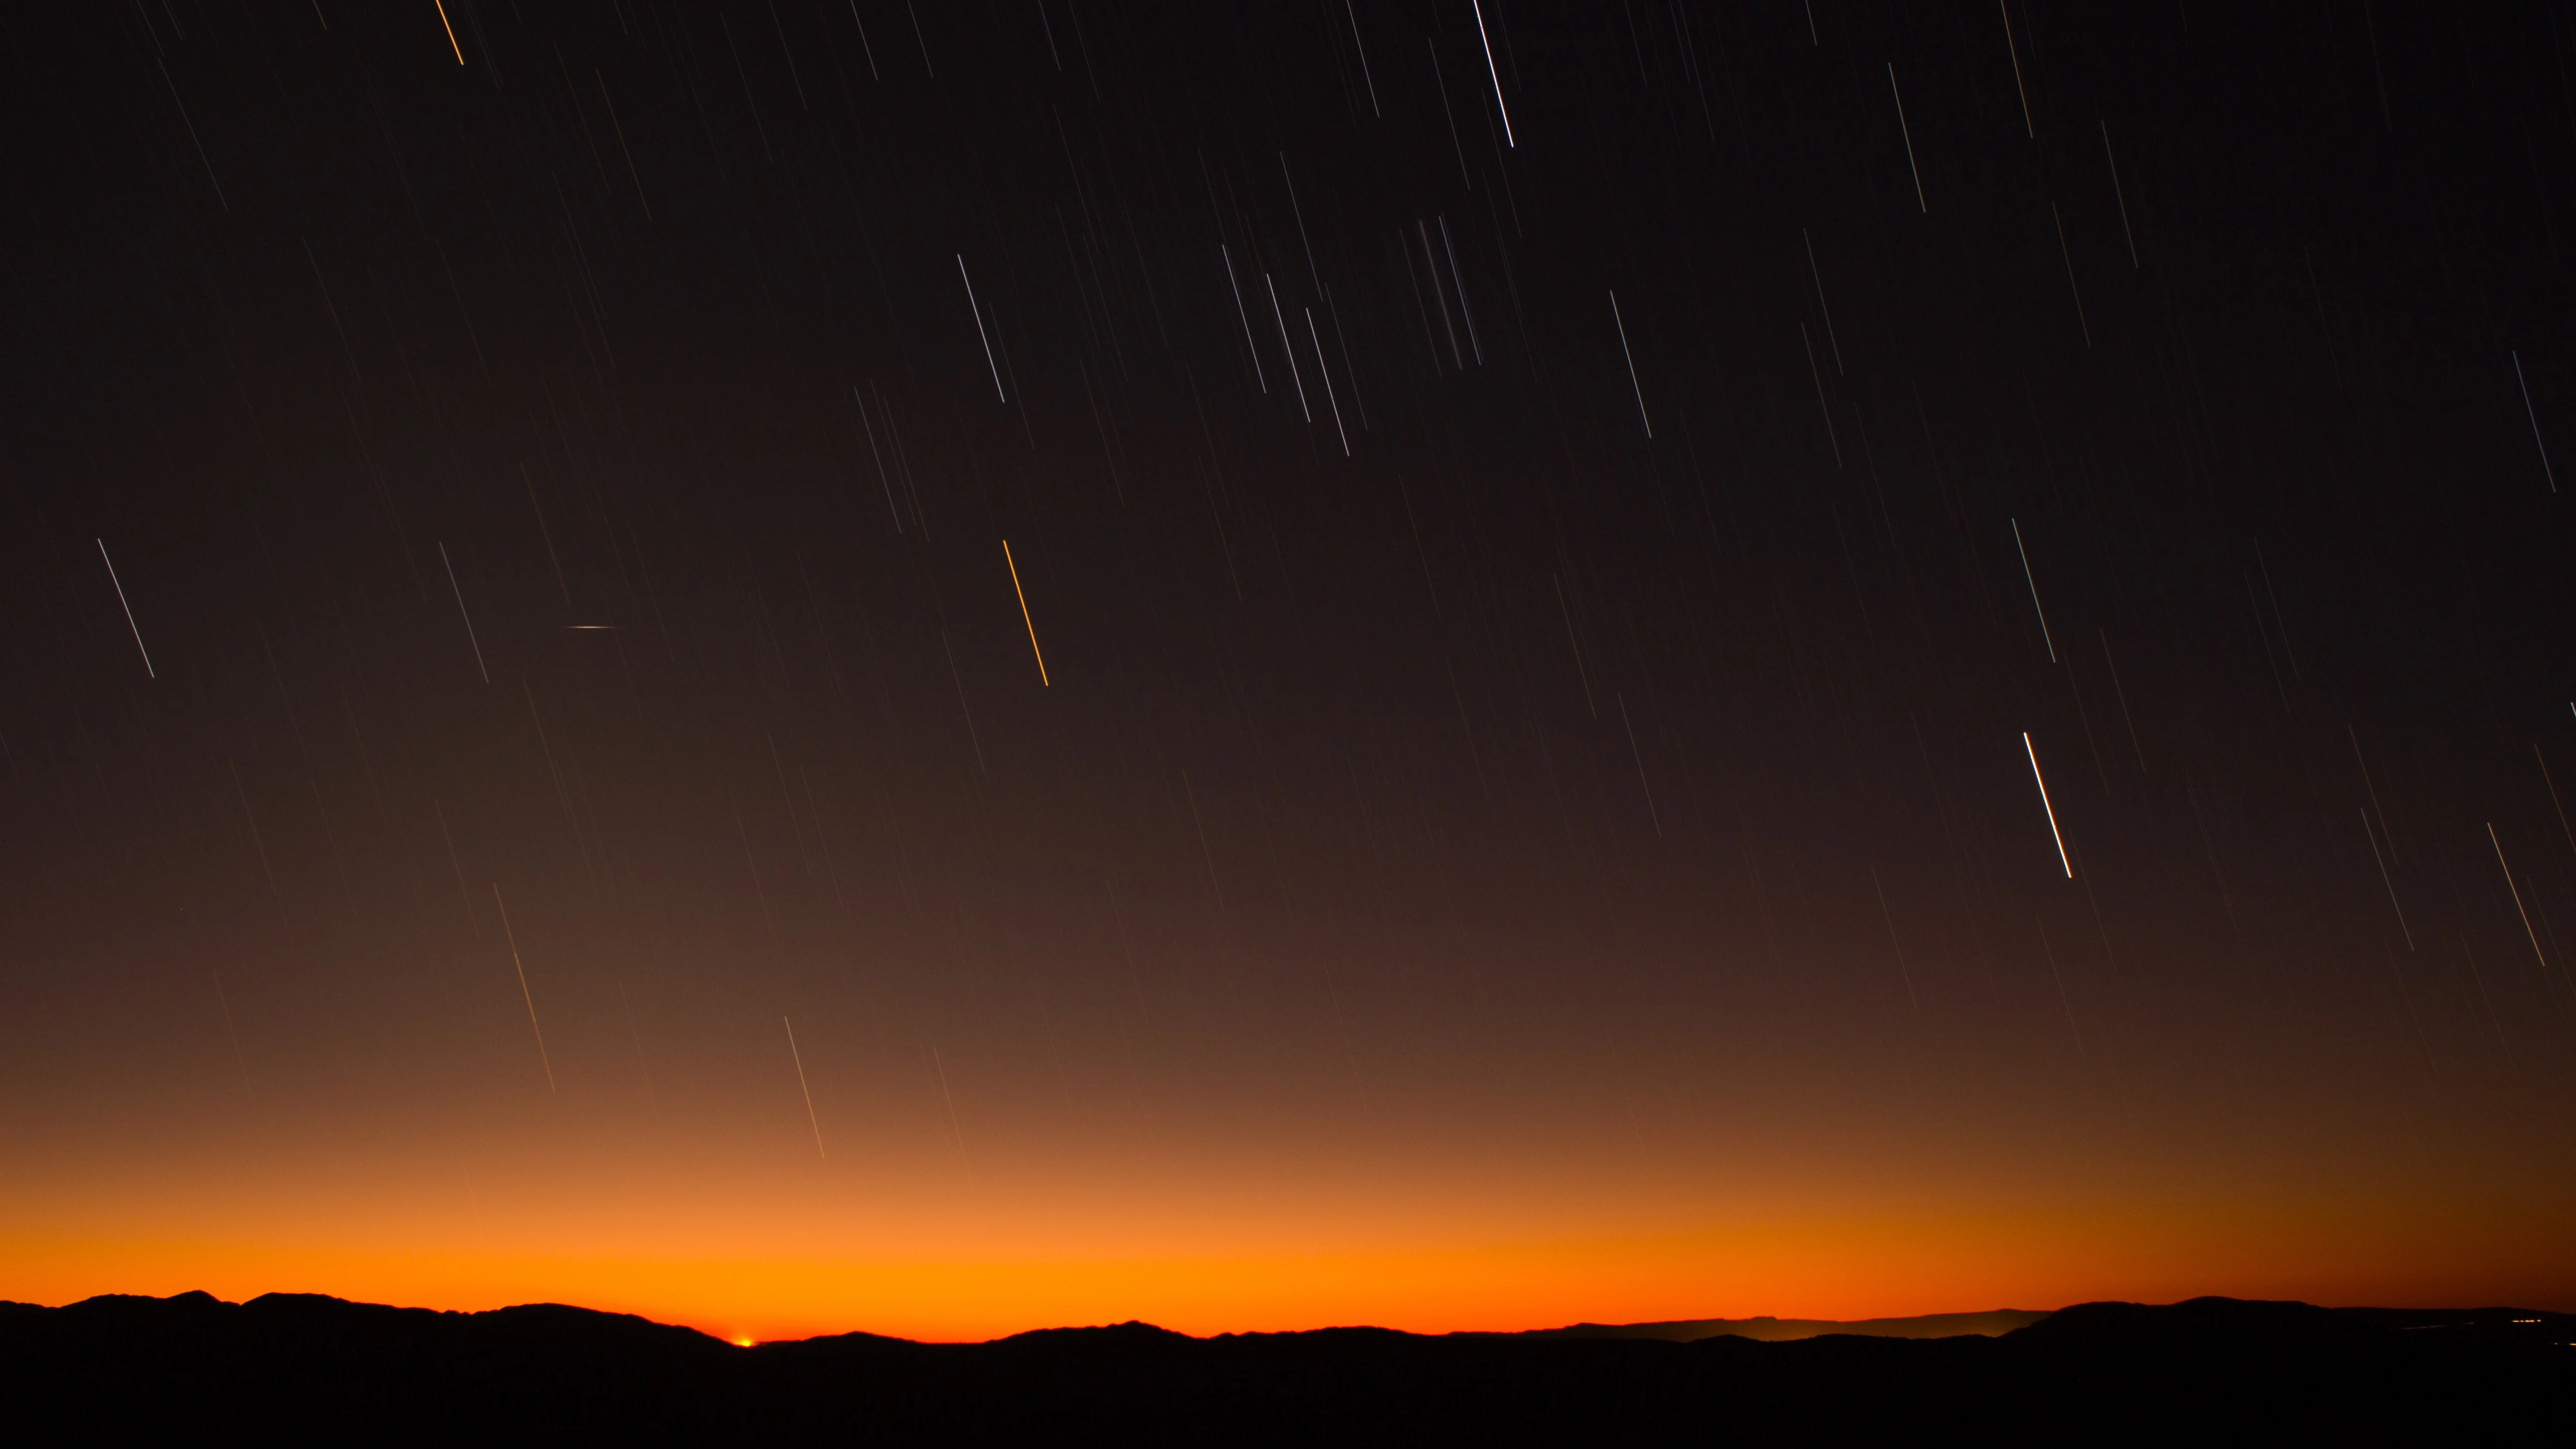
[
  {"x": 2211, "y": 1369},
  {"x": 1780, "y": 1330}
]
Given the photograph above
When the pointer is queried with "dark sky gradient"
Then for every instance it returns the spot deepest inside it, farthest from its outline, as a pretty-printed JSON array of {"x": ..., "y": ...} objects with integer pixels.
[{"x": 1527, "y": 815}]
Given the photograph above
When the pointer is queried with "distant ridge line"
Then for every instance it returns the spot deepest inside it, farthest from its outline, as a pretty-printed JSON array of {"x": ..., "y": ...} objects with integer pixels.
[{"x": 1993, "y": 1323}]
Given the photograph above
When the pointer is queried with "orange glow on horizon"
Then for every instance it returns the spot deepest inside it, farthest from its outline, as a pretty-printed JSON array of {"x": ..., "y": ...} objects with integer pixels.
[{"x": 1838, "y": 1268}]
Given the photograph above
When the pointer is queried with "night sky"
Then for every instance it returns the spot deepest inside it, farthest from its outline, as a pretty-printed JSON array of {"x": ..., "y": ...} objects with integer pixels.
[{"x": 948, "y": 668}]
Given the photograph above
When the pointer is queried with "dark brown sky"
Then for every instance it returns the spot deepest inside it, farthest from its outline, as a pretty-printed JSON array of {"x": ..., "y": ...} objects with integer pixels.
[{"x": 1527, "y": 814}]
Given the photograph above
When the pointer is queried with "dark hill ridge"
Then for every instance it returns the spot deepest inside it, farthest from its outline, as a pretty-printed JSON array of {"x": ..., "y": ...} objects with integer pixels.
[
  {"x": 2211, "y": 1368},
  {"x": 1767, "y": 1329}
]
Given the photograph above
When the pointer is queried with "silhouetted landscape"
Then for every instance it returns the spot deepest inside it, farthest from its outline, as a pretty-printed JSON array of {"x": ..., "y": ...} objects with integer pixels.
[
  {"x": 1778, "y": 1330},
  {"x": 2211, "y": 1368},
  {"x": 952, "y": 666}
]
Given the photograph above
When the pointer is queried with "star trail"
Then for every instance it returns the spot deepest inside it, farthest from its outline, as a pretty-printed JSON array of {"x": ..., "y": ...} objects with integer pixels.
[{"x": 1414, "y": 831}]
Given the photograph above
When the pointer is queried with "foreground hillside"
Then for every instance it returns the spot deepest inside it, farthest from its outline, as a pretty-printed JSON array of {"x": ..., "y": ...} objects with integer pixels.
[{"x": 2208, "y": 1369}]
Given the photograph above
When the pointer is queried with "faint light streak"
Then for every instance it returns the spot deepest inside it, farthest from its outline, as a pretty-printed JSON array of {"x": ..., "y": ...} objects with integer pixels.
[
  {"x": 1809, "y": 342},
  {"x": 962, "y": 708},
  {"x": 1431, "y": 265},
  {"x": 1031, "y": 624},
  {"x": 1821, "y": 306},
  {"x": 2564, "y": 828},
  {"x": 1364, "y": 65},
  {"x": 1442, "y": 83},
  {"x": 811, "y": 1120},
  {"x": 1580, "y": 672},
  {"x": 1326, "y": 373},
  {"x": 1903, "y": 972},
  {"x": 1465, "y": 313},
  {"x": 524, "y": 994},
  {"x": 2034, "y": 591},
  {"x": 2070, "y": 274},
  {"x": 2384, "y": 880},
  {"x": 1621, "y": 323},
  {"x": 1287, "y": 347},
  {"x": 2119, "y": 195},
  {"x": 918, "y": 37},
  {"x": 980, "y": 333},
  {"x": 451, "y": 31},
  {"x": 2018, "y": 88},
  {"x": 1245, "y": 318},
  {"x": 2537, "y": 441},
  {"x": 192, "y": 130},
  {"x": 1497, "y": 75},
  {"x": 1907, "y": 132},
  {"x": 2044, "y": 805},
  {"x": 1640, "y": 757},
  {"x": 128, "y": 608},
  {"x": 462, "y": 614},
  {"x": 869, "y": 50},
  {"x": 2355, "y": 736},
  {"x": 955, "y": 1128},
  {"x": 2518, "y": 910},
  {"x": 622, "y": 146}
]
